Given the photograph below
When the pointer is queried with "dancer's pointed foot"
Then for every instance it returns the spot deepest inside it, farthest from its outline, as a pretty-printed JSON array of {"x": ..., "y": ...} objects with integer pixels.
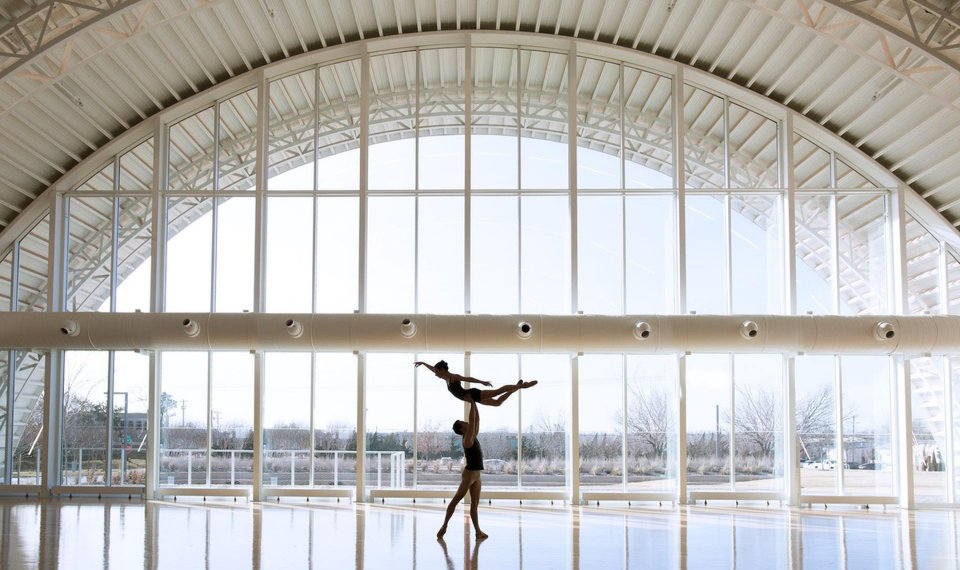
[
  {"x": 441, "y": 532},
  {"x": 482, "y": 536},
  {"x": 529, "y": 384}
]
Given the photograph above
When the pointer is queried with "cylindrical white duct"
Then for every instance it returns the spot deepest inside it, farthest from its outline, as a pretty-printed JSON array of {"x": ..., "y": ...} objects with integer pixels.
[{"x": 483, "y": 333}]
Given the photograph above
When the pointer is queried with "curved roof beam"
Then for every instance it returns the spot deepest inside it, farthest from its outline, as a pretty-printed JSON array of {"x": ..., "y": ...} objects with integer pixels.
[{"x": 923, "y": 25}]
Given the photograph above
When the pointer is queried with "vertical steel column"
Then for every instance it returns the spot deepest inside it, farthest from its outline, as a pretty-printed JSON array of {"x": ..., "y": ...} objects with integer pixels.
[
  {"x": 948, "y": 427},
  {"x": 364, "y": 178},
  {"x": 158, "y": 257},
  {"x": 209, "y": 462},
  {"x": 313, "y": 419},
  {"x": 573, "y": 465},
  {"x": 791, "y": 462},
  {"x": 111, "y": 367},
  {"x": 361, "y": 426},
  {"x": 572, "y": 172},
  {"x": 258, "y": 373},
  {"x": 835, "y": 235},
  {"x": 53, "y": 370},
  {"x": 679, "y": 180},
  {"x": 623, "y": 422},
  {"x": 152, "y": 479},
  {"x": 682, "y": 429},
  {"x": 416, "y": 424},
  {"x": 727, "y": 230},
  {"x": 467, "y": 167},
  {"x": 10, "y": 379},
  {"x": 416, "y": 203},
  {"x": 838, "y": 421},
  {"x": 259, "y": 269},
  {"x": 898, "y": 241},
  {"x": 903, "y": 458},
  {"x": 732, "y": 440},
  {"x": 788, "y": 184}
]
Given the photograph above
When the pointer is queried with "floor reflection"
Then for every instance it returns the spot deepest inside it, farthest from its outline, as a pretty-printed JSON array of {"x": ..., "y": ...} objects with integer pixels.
[{"x": 125, "y": 534}]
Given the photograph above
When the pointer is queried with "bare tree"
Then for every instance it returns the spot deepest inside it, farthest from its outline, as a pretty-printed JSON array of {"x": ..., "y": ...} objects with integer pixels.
[{"x": 649, "y": 418}]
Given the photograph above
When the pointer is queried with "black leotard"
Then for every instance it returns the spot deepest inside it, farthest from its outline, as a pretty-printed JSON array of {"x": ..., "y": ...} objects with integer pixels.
[{"x": 459, "y": 392}]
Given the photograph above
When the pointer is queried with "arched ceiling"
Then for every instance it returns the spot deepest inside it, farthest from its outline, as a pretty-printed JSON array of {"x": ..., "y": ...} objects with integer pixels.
[{"x": 884, "y": 75}]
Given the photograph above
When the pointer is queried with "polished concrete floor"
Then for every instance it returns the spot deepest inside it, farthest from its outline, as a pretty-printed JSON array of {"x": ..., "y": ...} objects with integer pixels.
[{"x": 125, "y": 534}]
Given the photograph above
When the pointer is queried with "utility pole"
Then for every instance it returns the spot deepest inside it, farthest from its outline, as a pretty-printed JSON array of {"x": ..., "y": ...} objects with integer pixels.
[{"x": 183, "y": 413}]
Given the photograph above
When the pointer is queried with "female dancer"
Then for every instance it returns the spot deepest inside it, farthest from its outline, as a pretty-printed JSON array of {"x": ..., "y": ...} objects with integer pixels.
[{"x": 493, "y": 397}]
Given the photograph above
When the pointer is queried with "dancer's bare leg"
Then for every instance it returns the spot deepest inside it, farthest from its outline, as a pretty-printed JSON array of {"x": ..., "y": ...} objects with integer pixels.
[
  {"x": 474, "y": 505},
  {"x": 452, "y": 506},
  {"x": 487, "y": 396}
]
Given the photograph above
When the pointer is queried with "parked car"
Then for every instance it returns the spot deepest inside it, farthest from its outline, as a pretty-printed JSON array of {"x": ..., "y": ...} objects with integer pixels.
[
  {"x": 872, "y": 466},
  {"x": 494, "y": 465}
]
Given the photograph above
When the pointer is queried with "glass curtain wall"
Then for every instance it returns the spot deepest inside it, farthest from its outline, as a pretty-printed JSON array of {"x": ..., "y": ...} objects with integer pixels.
[{"x": 503, "y": 194}]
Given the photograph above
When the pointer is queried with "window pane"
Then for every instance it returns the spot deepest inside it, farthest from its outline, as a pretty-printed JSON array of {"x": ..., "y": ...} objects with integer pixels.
[
  {"x": 754, "y": 150},
  {"x": 441, "y": 119},
  {"x": 4, "y": 391},
  {"x": 864, "y": 279},
  {"x": 85, "y": 408},
  {"x": 235, "y": 252},
  {"x": 189, "y": 254},
  {"x": 439, "y": 449},
  {"x": 543, "y": 150},
  {"x": 102, "y": 181},
  {"x": 545, "y": 420},
  {"x": 494, "y": 273},
  {"x": 652, "y": 408},
  {"x": 499, "y": 425},
  {"x": 238, "y": 142},
  {"x": 390, "y": 425},
  {"x": 847, "y": 177},
  {"x": 816, "y": 418},
  {"x": 286, "y": 419},
  {"x": 755, "y": 247},
  {"x": 392, "y": 164},
  {"x": 338, "y": 254},
  {"x": 339, "y": 129},
  {"x": 598, "y": 110},
  {"x": 135, "y": 231},
  {"x": 289, "y": 255},
  {"x": 495, "y": 144},
  {"x": 811, "y": 164},
  {"x": 390, "y": 255},
  {"x": 131, "y": 385},
  {"x": 706, "y": 255},
  {"x": 703, "y": 141},
  {"x": 758, "y": 422},
  {"x": 923, "y": 269},
  {"x": 647, "y": 129},
  {"x": 651, "y": 271},
  {"x": 867, "y": 415},
  {"x": 28, "y": 459},
  {"x": 6, "y": 285},
  {"x": 709, "y": 389},
  {"x": 183, "y": 418},
  {"x": 545, "y": 255},
  {"x": 600, "y": 254},
  {"x": 292, "y": 138},
  {"x": 816, "y": 251},
  {"x": 34, "y": 268},
  {"x": 136, "y": 168},
  {"x": 601, "y": 421},
  {"x": 335, "y": 417},
  {"x": 440, "y": 254},
  {"x": 928, "y": 406},
  {"x": 90, "y": 252},
  {"x": 231, "y": 456},
  {"x": 191, "y": 152}
]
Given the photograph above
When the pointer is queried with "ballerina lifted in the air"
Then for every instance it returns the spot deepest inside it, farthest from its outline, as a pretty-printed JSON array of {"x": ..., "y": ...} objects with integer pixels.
[{"x": 493, "y": 397}]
